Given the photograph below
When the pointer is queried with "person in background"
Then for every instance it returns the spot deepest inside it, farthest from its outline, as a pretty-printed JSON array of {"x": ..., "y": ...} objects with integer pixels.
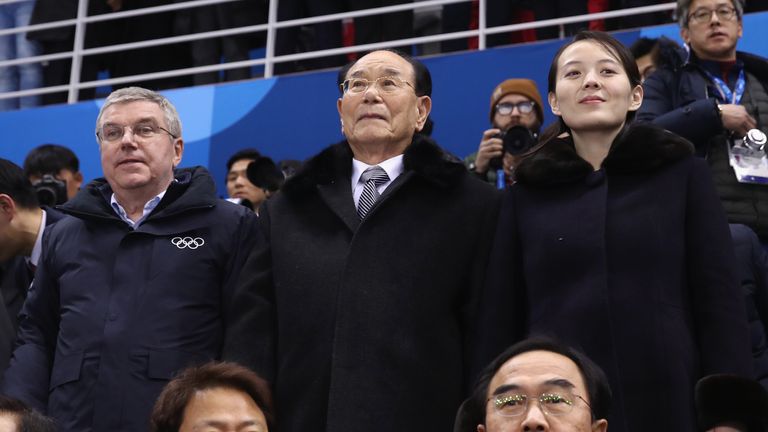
[
  {"x": 712, "y": 95},
  {"x": 514, "y": 102},
  {"x": 16, "y": 46},
  {"x": 58, "y": 162}
]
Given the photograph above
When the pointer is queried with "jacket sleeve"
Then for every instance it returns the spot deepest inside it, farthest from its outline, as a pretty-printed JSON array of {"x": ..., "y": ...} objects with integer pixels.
[
  {"x": 250, "y": 328},
  {"x": 697, "y": 121},
  {"x": 28, "y": 376},
  {"x": 718, "y": 304}
]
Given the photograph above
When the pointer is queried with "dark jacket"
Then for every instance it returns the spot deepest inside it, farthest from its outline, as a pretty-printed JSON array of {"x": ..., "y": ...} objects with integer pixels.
[
  {"x": 679, "y": 97},
  {"x": 371, "y": 319},
  {"x": 114, "y": 312},
  {"x": 14, "y": 283},
  {"x": 631, "y": 263},
  {"x": 752, "y": 274}
]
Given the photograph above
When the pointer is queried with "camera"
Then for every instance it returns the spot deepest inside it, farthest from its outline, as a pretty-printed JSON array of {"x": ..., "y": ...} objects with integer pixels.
[
  {"x": 50, "y": 190},
  {"x": 748, "y": 157},
  {"x": 515, "y": 140}
]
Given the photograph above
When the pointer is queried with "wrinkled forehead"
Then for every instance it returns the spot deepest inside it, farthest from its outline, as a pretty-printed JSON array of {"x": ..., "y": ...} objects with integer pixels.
[
  {"x": 536, "y": 371},
  {"x": 711, "y": 4},
  {"x": 130, "y": 112},
  {"x": 381, "y": 63}
]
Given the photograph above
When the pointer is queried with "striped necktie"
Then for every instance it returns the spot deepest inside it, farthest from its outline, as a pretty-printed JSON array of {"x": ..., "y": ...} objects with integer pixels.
[{"x": 373, "y": 177}]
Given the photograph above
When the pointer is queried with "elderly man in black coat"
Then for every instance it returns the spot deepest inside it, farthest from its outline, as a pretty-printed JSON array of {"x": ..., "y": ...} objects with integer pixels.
[{"x": 360, "y": 305}]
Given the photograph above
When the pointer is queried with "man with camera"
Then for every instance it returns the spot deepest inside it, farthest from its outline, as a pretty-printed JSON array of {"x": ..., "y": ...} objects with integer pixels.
[
  {"x": 713, "y": 95},
  {"x": 54, "y": 171},
  {"x": 516, "y": 117},
  {"x": 22, "y": 223}
]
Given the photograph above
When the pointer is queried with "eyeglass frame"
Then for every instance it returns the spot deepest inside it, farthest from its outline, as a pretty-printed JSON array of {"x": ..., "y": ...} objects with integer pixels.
[
  {"x": 732, "y": 12},
  {"x": 123, "y": 127},
  {"x": 515, "y": 105},
  {"x": 543, "y": 407},
  {"x": 345, "y": 83}
]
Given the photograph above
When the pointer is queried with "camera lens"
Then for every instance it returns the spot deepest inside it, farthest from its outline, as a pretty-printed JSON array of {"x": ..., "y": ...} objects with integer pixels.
[
  {"x": 517, "y": 140},
  {"x": 46, "y": 196}
]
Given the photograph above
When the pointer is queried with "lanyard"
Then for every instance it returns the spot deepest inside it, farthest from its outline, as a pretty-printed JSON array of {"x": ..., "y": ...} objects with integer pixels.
[{"x": 726, "y": 95}]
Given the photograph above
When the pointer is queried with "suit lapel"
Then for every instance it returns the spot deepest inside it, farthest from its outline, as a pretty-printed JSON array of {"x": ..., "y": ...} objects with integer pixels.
[{"x": 338, "y": 196}]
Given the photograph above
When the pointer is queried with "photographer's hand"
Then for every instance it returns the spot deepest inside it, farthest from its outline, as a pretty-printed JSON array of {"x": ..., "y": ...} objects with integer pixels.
[
  {"x": 490, "y": 147},
  {"x": 737, "y": 119}
]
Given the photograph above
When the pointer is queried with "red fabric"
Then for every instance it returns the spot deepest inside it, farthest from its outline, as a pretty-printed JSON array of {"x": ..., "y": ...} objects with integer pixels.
[
  {"x": 523, "y": 15},
  {"x": 348, "y": 37},
  {"x": 595, "y": 6}
]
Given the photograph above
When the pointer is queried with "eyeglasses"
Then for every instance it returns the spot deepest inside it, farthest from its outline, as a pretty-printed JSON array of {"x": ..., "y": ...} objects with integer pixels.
[
  {"x": 506, "y": 108},
  {"x": 514, "y": 404},
  {"x": 704, "y": 15},
  {"x": 385, "y": 84},
  {"x": 144, "y": 130}
]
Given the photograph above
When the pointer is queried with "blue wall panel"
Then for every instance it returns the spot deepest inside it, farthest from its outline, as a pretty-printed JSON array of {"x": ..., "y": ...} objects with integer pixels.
[{"x": 293, "y": 117}]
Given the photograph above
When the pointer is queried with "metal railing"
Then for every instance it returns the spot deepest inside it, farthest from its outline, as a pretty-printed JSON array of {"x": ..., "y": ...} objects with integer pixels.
[{"x": 271, "y": 27}]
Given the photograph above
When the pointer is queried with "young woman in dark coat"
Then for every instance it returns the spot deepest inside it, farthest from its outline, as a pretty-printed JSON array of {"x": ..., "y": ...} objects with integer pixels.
[{"x": 614, "y": 240}]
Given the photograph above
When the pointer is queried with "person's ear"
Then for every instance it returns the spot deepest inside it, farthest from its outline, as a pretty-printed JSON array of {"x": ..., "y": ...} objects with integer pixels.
[
  {"x": 637, "y": 98},
  {"x": 423, "y": 108},
  {"x": 178, "y": 151},
  {"x": 685, "y": 35},
  {"x": 7, "y": 207},
  {"x": 480, "y": 428},
  {"x": 553, "y": 105},
  {"x": 600, "y": 425}
]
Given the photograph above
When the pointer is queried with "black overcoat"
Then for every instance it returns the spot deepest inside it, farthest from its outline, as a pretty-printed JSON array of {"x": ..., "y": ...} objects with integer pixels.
[
  {"x": 370, "y": 318},
  {"x": 632, "y": 263}
]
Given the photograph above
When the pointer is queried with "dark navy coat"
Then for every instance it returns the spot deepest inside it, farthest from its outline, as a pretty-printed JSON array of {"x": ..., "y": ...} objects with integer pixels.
[
  {"x": 632, "y": 263},
  {"x": 114, "y": 312},
  {"x": 371, "y": 320},
  {"x": 15, "y": 278}
]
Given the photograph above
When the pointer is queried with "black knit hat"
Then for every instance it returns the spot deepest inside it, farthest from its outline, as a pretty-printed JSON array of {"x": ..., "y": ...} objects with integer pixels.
[{"x": 726, "y": 398}]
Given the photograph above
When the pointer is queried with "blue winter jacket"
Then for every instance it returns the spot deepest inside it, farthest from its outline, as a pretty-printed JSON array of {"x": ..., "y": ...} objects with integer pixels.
[{"x": 115, "y": 312}]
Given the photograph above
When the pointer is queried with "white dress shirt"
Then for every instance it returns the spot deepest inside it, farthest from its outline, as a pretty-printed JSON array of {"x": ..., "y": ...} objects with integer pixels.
[{"x": 393, "y": 167}]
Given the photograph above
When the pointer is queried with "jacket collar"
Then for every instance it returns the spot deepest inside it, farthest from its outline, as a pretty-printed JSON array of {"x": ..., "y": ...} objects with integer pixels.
[
  {"x": 192, "y": 188},
  {"x": 681, "y": 58},
  {"x": 423, "y": 157},
  {"x": 637, "y": 149}
]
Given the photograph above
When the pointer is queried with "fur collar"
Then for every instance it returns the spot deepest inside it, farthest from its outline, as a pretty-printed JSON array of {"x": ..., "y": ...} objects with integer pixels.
[
  {"x": 424, "y": 157},
  {"x": 637, "y": 149}
]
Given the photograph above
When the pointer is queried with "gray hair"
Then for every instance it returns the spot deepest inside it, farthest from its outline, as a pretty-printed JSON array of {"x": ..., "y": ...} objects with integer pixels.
[
  {"x": 683, "y": 10},
  {"x": 138, "y": 94}
]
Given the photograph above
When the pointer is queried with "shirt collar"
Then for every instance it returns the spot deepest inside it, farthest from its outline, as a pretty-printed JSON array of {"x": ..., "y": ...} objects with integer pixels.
[
  {"x": 393, "y": 167},
  {"x": 37, "y": 249},
  {"x": 148, "y": 207}
]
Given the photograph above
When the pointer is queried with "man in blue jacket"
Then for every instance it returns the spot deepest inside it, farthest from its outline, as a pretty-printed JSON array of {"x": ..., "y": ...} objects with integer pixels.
[
  {"x": 711, "y": 95},
  {"x": 136, "y": 285}
]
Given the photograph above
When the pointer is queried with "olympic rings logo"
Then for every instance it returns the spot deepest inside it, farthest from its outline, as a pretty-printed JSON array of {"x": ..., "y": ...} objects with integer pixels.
[{"x": 187, "y": 242}]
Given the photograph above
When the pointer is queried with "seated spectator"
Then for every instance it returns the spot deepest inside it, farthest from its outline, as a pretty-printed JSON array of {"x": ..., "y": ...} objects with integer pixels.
[
  {"x": 538, "y": 384},
  {"x": 17, "y": 417},
  {"x": 58, "y": 162},
  {"x": 514, "y": 102},
  {"x": 24, "y": 76},
  {"x": 643, "y": 50},
  {"x": 217, "y": 396},
  {"x": 729, "y": 403}
]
